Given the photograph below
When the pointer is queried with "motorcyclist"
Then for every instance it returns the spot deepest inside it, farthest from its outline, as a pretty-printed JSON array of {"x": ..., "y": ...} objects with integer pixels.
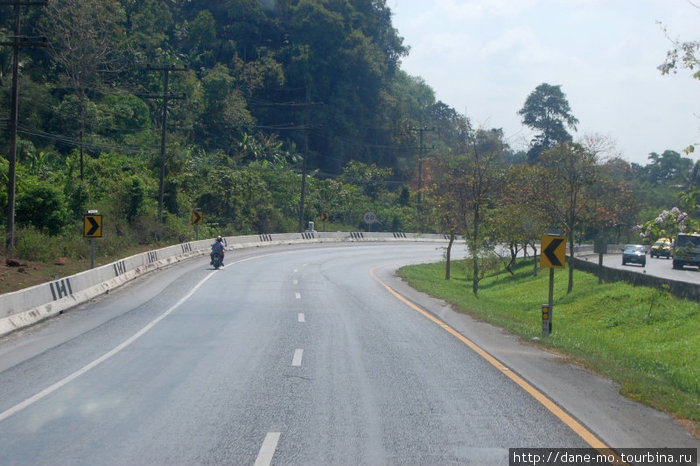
[{"x": 217, "y": 247}]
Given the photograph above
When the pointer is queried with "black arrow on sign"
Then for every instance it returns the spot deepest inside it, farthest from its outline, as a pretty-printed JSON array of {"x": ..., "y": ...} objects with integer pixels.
[
  {"x": 94, "y": 226},
  {"x": 549, "y": 252},
  {"x": 197, "y": 217}
]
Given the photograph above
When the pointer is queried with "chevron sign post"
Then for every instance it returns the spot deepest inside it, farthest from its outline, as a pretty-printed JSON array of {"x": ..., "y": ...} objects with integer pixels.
[
  {"x": 92, "y": 228},
  {"x": 553, "y": 257}
]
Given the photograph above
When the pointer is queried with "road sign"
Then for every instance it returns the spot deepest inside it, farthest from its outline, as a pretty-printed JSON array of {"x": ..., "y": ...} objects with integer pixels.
[
  {"x": 197, "y": 217},
  {"x": 324, "y": 216},
  {"x": 92, "y": 226},
  {"x": 369, "y": 217},
  {"x": 553, "y": 252}
]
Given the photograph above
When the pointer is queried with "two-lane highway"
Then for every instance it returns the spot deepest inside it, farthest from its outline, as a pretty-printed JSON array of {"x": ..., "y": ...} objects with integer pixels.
[{"x": 285, "y": 356}]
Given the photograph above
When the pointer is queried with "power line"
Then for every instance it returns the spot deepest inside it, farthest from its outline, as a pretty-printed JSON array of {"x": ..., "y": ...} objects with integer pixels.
[{"x": 71, "y": 141}]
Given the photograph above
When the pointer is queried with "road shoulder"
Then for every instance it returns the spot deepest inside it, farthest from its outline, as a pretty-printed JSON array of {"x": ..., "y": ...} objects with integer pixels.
[{"x": 593, "y": 400}]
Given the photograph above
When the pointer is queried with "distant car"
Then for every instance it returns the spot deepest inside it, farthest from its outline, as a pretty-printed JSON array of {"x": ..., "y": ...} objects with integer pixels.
[
  {"x": 662, "y": 247},
  {"x": 634, "y": 254}
]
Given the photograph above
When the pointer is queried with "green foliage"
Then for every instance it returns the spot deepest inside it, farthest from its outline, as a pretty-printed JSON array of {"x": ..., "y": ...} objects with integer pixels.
[
  {"x": 546, "y": 110},
  {"x": 43, "y": 206},
  {"x": 34, "y": 245},
  {"x": 369, "y": 177},
  {"x": 123, "y": 115},
  {"x": 257, "y": 85}
]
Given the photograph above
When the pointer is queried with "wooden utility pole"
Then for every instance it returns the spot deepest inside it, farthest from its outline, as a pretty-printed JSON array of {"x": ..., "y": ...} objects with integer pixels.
[
  {"x": 302, "y": 199},
  {"x": 166, "y": 96},
  {"x": 421, "y": 148},
  {"x": 17, "y": 42}
]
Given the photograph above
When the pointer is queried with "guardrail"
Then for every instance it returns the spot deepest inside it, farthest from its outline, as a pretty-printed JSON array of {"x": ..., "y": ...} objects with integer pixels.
[{"x": 26, "y": 307}]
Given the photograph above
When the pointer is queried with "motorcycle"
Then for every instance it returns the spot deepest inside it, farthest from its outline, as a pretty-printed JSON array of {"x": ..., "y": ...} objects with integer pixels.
[{"x": 216, "y": 260}]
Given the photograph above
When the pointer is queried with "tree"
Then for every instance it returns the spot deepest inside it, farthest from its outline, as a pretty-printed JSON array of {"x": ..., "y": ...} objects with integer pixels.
[
  {"x": 682, "y": 55},
  {"x": 521, "y": 217},
  {"x": 464, "y": 190},
  {"x": 83, "y": 41},
  {"x": 546, "y": 110},
  {"x": 42, "y": 205},
  {"x": 617, "y": 200},
  {"x": 484, "y": 181},
  {"x": 226, "y": 110},
  {"x": 668, "y": 167},
  {"x": 570, "y": 171},
  {"x": 369, "y": 177},
  {"x": 447, "y": 197}
]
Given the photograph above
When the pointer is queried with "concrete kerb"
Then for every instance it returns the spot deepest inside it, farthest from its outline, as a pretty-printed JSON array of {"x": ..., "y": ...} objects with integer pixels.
[{"x": 26, "y": 307}]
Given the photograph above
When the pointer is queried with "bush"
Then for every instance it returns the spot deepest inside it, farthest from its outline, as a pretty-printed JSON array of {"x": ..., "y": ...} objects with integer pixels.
[
  {"x": 42, "y": 206},
  {"x": 34, "y": 246}
]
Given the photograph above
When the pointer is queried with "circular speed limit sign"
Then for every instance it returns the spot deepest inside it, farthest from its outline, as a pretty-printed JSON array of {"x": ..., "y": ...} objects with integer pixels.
[{"x": 370, "y": 218}]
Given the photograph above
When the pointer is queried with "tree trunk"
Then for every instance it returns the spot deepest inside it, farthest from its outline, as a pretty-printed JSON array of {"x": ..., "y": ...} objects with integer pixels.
[
  {"x": 475, "y": 255},
  {"x": 571, "y": 263},
  {"x": 534, "y": 256},
  {"x": 448, "y": 255}
]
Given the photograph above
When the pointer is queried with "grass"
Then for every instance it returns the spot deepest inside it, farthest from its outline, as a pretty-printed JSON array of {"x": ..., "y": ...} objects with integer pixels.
[{"x": 642, "y": 338}]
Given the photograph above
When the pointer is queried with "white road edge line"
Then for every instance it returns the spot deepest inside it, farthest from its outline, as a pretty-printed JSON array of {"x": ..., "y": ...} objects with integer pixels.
[
  {"x": 52, "y": 388},
  {"x": 267, "y": 449},
  {"x": 296, "y": 360}
]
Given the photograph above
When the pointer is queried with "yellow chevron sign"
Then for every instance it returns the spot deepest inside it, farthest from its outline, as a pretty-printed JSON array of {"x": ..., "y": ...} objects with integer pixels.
[
  {"x": 553, "y": 252},
  {"x": 92, "y": 226}
]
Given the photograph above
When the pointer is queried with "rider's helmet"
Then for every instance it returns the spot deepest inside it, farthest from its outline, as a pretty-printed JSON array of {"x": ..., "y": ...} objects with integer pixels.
[{"x": 219, "y": 239}]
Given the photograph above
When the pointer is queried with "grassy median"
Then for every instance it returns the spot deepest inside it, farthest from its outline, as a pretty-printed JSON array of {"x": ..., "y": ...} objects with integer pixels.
[{"x": 643, "y": 338}]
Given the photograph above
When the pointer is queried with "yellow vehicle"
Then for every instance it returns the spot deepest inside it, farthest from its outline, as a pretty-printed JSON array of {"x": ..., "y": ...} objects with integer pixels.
[{"x": 662, "y": 247}]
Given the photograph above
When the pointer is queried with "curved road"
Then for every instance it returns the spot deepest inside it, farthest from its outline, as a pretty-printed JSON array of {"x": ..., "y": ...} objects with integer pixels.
[{"x": 294, "y": 355}]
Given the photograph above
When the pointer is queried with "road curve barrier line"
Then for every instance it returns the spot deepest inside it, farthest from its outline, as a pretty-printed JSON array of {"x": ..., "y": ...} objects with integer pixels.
[
  {"x": 83, "y": 370},
  {"x": 588, "y": 436}
]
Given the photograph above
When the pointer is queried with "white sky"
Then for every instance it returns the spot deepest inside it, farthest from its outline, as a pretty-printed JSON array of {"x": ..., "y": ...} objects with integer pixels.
[{"x": 484, "y": 57}]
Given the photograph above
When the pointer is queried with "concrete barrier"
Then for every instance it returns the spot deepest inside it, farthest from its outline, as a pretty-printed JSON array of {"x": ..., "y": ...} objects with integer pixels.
[{"x": 22, "y": 308}]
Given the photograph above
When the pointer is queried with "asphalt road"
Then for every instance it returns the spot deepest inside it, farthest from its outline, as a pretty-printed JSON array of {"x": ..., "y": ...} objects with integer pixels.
[{"x": 295, "y": 356}]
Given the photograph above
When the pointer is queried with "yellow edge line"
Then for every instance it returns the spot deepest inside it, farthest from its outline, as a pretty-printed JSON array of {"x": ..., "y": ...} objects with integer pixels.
[{"x": 588, "y": 436}]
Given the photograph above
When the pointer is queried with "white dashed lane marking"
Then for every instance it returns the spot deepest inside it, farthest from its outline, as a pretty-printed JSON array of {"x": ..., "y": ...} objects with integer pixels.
[
  {"x": 267, "y": 450},
  {"x": 296, "y": 360}
]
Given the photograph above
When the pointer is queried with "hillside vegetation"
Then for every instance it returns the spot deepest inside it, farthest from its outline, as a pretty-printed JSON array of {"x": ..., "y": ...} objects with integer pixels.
[{"x": 269, "y": 114}]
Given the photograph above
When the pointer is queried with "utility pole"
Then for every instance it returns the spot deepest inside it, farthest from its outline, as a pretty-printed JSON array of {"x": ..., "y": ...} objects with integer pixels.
[
  {"x": 422, "y": 129},
  {"x": 17, "y": 42},
  {"x": 166, "y": 96},
  {"x": 306, "y": 127},
  {"x": 302, "y": 199}
]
